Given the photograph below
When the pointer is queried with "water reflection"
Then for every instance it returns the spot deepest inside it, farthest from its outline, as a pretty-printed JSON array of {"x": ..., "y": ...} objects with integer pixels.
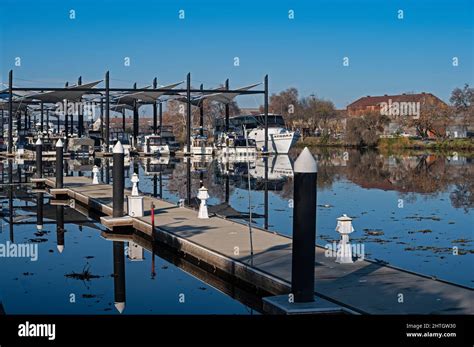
[
  {"x": 119, "y": 275},
  {"x": 408, "y": 175},
  {"x": 60, "y": 228},
  {"x": 436, "y": 190},
  {"x": 39, "y": 211}
]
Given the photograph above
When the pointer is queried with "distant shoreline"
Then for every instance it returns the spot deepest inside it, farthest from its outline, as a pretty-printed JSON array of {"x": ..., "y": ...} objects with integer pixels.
[{"x": 393, "y": 145}]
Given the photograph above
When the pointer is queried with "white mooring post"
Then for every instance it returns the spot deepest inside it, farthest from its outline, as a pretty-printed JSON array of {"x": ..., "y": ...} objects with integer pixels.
[
  {"x": 203, "y": 195},
  {"x": 134, "y": 181},
  {"x": 95, "y": 175},
  {"x": 135, "y": 201},
  {"x": 344, "y": 251}
]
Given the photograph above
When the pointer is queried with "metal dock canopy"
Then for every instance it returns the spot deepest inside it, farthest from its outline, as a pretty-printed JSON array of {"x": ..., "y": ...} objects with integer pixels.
[{"x": 18, "y": 98}]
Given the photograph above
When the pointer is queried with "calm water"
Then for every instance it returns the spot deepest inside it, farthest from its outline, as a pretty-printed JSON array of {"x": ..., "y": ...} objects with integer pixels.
[{"x": 414, "y": 212}]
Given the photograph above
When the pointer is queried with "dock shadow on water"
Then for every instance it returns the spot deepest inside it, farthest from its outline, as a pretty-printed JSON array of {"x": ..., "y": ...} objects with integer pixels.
[{"x": 413, "y": 211}]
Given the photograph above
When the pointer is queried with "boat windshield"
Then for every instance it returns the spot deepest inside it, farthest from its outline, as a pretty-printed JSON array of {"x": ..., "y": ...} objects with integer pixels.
[
  {"x": 236, "y": 124},
  {"x": 122, "y": 137},
  {"x": 274, "y": 120},
  {"x": 154, "y": 141}
]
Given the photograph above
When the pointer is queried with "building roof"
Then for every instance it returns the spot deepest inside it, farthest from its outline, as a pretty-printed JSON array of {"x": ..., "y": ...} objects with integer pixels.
[{"x": 367, "y": 101}]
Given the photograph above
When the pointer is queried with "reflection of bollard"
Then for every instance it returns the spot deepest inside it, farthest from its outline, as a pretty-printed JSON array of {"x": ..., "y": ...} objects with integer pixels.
[
  {"x": 60, "y": 227},
  {"x": 344, "y": 252},
  {"x": 39, "y": 158},
  {"x": 119, "y": 275},
  {"x": 119, "y": 182},
  {"x": 135, "y": 251},
  {"x": 39, "y": 212},
  {"x": 95, "y": 175},
  {"x": 59, "y": 164},
  {"x": 135, "y": 202},
  {"x": 203, "y": 196},
  {"x": 304, "y": 227},
  {"x": 152, "y": 210}
]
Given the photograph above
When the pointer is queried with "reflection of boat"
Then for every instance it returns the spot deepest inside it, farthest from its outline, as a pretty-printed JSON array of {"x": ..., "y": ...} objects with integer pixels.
[
  {"x": 155, "y": 165},
  {"x": 234, "y": 167},
  {"x": 200, "y": 145},
  {"x": 279, "y": 167},
  {"x": 199, "y": 163},
  {"x": 280, "y": 139},
  {"x": 235, "y": 146}
]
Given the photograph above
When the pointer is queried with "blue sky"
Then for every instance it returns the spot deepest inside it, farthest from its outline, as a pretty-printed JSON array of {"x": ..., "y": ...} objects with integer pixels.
[{"x": 386, "y": 55}]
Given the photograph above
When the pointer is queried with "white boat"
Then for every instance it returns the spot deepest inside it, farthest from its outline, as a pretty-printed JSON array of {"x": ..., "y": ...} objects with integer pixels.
[
  {"x": 124, "y": 140},
  {"x": 199, "y": 145},
  {"x": 153, "y": 146},
  {"x": 166, "y": 133},
  {"x": 280, "y": 139}
]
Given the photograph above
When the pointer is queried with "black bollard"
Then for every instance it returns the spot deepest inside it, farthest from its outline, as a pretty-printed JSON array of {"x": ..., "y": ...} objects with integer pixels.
[
  {"x": 59, "y": 164},
  {"x": 107, "y": 171},
  {"x": 119, "y": 182},
  {"x": 304, "y": 227},
  {"x": 39, "y": 158}
]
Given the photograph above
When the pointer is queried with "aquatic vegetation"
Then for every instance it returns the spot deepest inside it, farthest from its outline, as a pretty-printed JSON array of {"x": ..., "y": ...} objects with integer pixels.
[{"x": 85, "y": 275}]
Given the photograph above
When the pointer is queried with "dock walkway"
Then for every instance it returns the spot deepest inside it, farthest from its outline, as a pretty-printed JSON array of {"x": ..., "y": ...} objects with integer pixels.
[{"x": 364, "y": 286}]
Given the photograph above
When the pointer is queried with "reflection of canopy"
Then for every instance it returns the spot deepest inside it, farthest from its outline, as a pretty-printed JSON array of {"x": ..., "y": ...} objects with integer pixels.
[
  {"x": 69, "y": 93},
  {"x": 148, "y": 96}
]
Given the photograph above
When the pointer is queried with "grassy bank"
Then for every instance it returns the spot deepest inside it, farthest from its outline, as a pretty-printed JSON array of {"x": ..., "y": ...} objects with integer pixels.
[
  {"x": 464, "y": 145},
  {"x": 319, "y": 142},
  {"x": 397, "y": 144}
]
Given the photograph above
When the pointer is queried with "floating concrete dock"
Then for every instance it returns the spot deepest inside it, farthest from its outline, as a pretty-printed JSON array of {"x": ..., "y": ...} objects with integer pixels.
[{"x": 224, "y": 245}]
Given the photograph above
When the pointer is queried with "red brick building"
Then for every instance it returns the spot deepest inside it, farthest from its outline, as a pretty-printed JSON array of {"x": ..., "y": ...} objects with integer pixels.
[
  {"x": 375, "y": 103},
  {"x": 398, "y": 108}
]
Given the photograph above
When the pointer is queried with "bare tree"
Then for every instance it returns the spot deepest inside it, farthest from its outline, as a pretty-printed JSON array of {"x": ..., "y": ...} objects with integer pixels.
[
  {"x": 463, "y": 103},
  {"x": 366, "y": 129},
  {"x": 433, "y": 119}
]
